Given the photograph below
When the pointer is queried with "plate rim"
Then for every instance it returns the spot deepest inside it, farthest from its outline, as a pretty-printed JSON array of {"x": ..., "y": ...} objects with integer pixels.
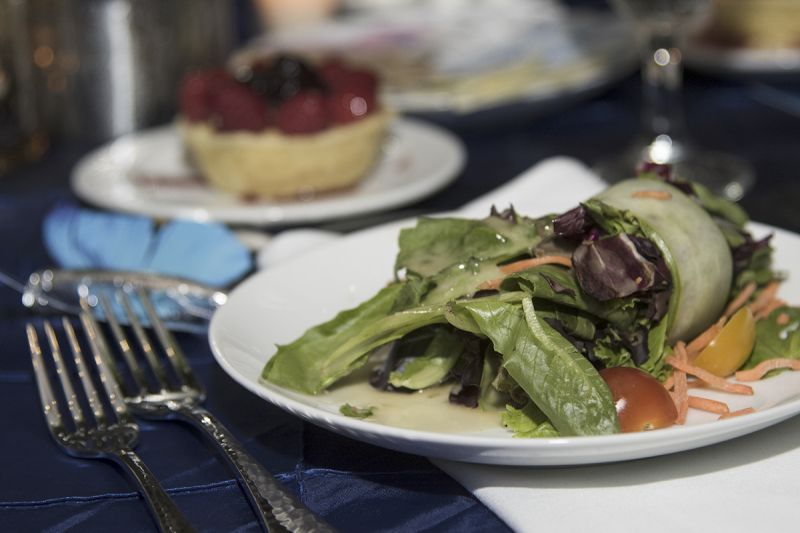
[
  {"x": 452, "y": 156},
  {"x": 475, "y": 448}
]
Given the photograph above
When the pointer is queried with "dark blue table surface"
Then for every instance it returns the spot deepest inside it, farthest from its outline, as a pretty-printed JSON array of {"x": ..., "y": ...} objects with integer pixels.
[{"x": 355, "y": 486}]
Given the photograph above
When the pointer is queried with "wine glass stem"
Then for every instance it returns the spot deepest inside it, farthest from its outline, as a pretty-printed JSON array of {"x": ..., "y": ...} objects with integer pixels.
[{"x": 662, "y": 82}]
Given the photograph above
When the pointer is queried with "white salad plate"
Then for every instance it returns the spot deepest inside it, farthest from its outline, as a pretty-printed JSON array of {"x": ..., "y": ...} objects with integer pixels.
[
  {"x": 148, "y": 173},
  {"x": 277, "y": 305}
]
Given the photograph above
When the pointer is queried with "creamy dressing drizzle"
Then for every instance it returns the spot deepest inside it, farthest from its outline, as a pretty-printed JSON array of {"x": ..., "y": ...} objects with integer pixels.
[{"x": 426, "y": 410}]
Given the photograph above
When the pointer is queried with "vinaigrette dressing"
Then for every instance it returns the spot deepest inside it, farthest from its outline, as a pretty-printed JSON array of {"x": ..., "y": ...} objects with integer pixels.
[{"x": 426, "y": 410}]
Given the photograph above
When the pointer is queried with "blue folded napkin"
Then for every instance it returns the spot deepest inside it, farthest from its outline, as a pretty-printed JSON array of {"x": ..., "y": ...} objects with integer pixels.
[{"x": 207, "y": 253}]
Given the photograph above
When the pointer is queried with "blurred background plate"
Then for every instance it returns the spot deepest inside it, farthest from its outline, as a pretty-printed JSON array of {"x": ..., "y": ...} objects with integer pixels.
[
  {"x": 743, "y": 61},
  {"x": 447, "y": 60},
  {"x": 748, "y": 37},
  {"x": 146, "y": 173}
]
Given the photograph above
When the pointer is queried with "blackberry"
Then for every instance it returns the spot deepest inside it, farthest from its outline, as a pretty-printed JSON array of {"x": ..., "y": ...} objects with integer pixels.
[{"x": 282, "y": 77}]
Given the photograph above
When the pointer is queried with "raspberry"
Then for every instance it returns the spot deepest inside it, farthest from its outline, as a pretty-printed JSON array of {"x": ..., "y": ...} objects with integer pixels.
[
  {"x": 333, "y": 72},
  {"x": 363, "y": 80},
  {"x": 302, "y": 113},
  {"x": 195, "y": 96},
  {"x": 236, "y": 107},
  {"x": 353, "y": 98}
]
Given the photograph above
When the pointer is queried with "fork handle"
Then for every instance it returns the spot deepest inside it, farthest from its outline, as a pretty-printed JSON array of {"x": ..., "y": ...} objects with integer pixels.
[
  {"x": 276, "y": 508},
  {"x": 166, "y": 514}
]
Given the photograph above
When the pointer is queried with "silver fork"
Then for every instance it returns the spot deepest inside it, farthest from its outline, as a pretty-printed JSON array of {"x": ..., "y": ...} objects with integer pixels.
[
  {"x": 112, "y": 436},
  {"x": 276, "y": 509}
]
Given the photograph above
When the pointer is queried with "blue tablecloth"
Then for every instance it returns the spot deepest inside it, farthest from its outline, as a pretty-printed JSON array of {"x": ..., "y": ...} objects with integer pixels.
[{"x": 356, "y": 487}]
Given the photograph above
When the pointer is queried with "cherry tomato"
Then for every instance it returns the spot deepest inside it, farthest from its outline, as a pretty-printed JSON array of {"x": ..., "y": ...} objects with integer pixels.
[
  {"x": 731, "y": 347},
  {"x": 641, "y": 400}
]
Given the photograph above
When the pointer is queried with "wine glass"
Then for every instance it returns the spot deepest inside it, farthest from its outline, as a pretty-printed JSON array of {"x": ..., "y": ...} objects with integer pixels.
[{"x": 661, "y": 26}]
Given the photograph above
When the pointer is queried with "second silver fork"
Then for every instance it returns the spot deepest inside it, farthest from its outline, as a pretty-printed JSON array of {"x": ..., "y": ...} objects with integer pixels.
[
  {"x": 105, "y": 434},
  {"x": 277, "y": 510}
]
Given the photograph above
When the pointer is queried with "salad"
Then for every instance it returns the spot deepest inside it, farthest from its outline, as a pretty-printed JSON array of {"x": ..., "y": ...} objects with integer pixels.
[{"x": 589, "y": 322}]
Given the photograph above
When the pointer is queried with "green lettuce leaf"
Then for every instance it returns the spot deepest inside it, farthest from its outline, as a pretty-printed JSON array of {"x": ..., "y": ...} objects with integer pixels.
[
  {"x": 411, "y": 294},
  {"x": 461, "y": 279},
  {"x": 433, "y": 364},
  {"x": 491, "y": 398},
  {"x": 357, "y": 412},
  {"x": 559, "y": 380},
  {"x": 559, "y": 285},
  {"x": 758, "y": 269},
  {"x": 610, "y": 351},
  {"x": 774, "y": 340},
  {"x": 528, "y": 422},
  {"x": 435, "y": 244},
  {"x": 330, "y": 351},
  {"x": 461, "y": 318},
  {"x": 657, "y": 348},
  {"x": 613, "y": 220},
  {"x": 720, "y": 206}
]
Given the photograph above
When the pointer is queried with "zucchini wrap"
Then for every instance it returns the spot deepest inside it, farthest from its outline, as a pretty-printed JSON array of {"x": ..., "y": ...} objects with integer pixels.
[{"x": 695, "y": 248}]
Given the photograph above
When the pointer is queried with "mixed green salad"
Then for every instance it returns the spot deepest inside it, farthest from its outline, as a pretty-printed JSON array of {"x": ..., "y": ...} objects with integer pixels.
[{"x": 521, "y": 314}]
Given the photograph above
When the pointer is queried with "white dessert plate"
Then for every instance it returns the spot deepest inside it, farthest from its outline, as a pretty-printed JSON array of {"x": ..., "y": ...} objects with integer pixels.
[
  {"x": 147, "y": 173},
  {"x": 276, "y": 305}
]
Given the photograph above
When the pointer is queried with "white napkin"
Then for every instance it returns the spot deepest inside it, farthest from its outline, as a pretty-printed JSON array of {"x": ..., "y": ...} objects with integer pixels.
[
  {"x": 551, "y": 186},
  {"x": 748, "y": 485}
]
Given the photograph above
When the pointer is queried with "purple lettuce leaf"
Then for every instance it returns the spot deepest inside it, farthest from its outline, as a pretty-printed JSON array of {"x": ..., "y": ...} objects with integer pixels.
[
  {"x": 743, "y": 254},
  {"x": 508, "y": 214},
  {"x": 467, "y": 390},
  {"x": 574, "y": 224},
  {"x": 612, "y": 267}
]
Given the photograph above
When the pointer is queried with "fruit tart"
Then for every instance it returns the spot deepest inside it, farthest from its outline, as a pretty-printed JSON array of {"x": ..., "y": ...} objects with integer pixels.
[{"x": 282, "y": 128}]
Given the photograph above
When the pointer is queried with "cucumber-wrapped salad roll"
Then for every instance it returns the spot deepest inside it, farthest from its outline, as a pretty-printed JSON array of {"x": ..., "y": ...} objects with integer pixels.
[{"x": 523, "y": 314}]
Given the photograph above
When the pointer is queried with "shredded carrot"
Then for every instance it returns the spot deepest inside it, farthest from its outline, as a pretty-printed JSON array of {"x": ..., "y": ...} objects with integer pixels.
[
  {"x": 704, "y": 339},
  {"x": 490, "y": 285},
  {"x": 740, "y": 412},
  {"x": 656, "y": 195},
  {"x": 707, "y": 404},
  {"x": 765, "y": 296},
  {"x": 712, "y": 380},
  {"x": 697, "y": 384},
  {"x": 525, "y": 264},
  {"x": 679, "y": 383},
  {"x": 681, "y": 392},
  {"x": 741, "y": 299},
  {"x": 772, "y": 305},
  {"x": 535, "y": 262},
  {"x": 761, "y": 369}
]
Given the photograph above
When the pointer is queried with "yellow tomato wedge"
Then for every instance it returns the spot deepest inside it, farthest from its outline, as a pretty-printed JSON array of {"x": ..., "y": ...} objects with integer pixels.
[{"x": 730, "y": 348}]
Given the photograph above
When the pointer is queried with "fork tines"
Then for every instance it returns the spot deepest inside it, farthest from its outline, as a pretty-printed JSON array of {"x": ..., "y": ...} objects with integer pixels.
[
  {"x": 105, "y": 438},
  {"x": 176, "y": 361},
  {"x": 48, "y": 397}
]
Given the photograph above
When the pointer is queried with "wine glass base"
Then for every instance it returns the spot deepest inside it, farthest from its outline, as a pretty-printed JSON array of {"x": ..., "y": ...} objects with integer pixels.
[{"x": 724, "y": 174}]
